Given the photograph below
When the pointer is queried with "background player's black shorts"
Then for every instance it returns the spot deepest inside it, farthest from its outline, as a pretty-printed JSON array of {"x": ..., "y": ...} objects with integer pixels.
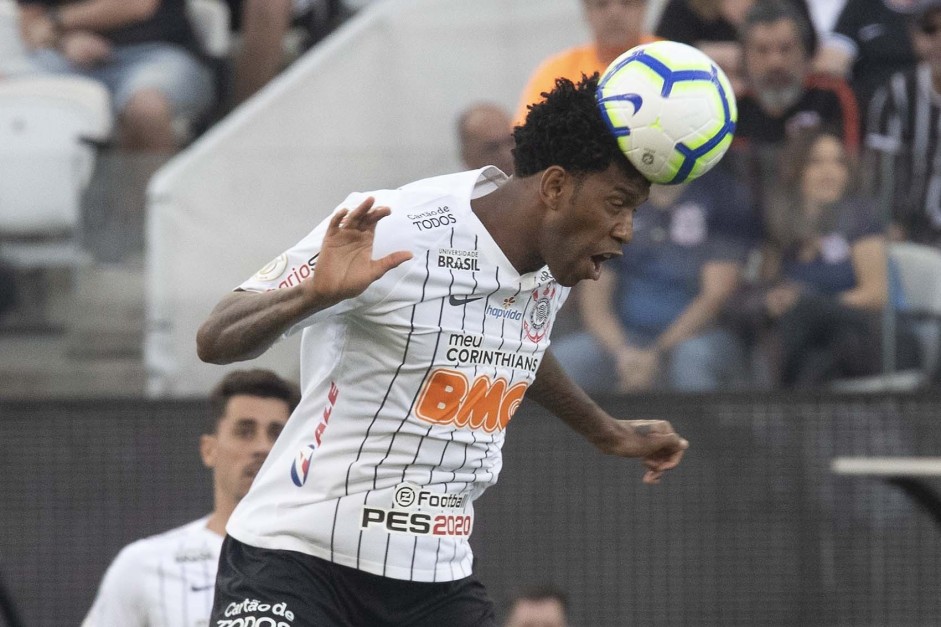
[{"x": 272, "y": 588}]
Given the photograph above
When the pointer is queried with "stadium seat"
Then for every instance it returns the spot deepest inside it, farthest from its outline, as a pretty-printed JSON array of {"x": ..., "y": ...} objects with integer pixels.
[
  {"x": 920, "y": 272},
  {"x": 49, "y": 127},
  {"x": 12, "y": 54}
]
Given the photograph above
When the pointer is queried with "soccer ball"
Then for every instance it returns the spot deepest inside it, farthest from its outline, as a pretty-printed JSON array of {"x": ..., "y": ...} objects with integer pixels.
[{"x": 671, "y": 109}]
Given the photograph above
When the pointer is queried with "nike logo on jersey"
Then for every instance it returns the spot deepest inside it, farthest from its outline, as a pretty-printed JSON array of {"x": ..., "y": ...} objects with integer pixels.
[{"x": 457, "y": 301}]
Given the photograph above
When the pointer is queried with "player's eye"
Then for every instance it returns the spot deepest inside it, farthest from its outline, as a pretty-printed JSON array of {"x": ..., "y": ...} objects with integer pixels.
[{"x": 245, "y": 430}]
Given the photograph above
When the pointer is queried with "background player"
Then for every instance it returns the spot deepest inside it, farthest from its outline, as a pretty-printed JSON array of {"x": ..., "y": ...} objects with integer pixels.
[
  {"x": 167, "y": 580},
  {"x": 542, "y": 606},
  {"x": 413, "y": 364}
]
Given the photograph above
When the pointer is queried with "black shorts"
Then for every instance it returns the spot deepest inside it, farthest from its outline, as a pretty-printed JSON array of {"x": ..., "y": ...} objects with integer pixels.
[{"x": 272, "y": 588}]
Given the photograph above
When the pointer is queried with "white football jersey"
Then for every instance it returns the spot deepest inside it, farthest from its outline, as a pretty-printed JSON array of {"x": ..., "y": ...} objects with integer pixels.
[
  {"x": 407, "y": 391},
  {"x": 165, "y": 580}
]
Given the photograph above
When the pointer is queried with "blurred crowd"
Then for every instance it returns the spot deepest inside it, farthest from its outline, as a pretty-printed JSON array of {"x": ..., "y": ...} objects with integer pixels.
[
  {"x": 800, "y": 261},
  {"x": 775, "y": 270}
]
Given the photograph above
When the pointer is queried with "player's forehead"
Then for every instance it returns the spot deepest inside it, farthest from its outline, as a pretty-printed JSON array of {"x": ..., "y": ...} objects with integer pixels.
[
  {"x": 631, "y": 187},
  {"x": 256, "y": 409}
]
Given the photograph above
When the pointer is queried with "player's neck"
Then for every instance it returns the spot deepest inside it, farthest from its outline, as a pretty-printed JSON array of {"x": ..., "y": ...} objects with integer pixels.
[
  {"x": 216, "y": 523},
  {"x": 512, "y": 223},
  {"x": 220, "y": 516}
]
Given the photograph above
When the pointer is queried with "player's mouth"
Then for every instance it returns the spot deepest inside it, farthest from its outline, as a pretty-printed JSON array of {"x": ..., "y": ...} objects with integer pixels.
[{"x": 597, "y": 260}]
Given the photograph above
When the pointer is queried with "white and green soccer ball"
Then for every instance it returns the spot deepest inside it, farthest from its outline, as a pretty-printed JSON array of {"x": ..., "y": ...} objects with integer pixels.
[{"x": 671, "y": 109}]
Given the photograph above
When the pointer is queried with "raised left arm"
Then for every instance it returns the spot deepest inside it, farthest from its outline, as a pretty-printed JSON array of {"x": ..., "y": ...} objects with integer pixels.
[{"x": 653, "y": 441}]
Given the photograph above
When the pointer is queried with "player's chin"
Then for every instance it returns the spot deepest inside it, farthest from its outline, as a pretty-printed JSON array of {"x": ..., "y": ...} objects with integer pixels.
[{"x": 577, "y": 271}]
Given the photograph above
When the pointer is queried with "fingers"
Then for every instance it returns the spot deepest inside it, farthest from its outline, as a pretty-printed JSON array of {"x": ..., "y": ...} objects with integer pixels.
[
  {"x": 365, "y": 216},
  {"x": 335, "y": 221},
  {"x": 354, "y": 217},
  {"x": 390, "y": 261},
  {"x": 667, "y": 455}
]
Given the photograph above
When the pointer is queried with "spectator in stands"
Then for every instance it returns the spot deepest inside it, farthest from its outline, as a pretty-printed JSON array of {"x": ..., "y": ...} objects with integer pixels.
[
  {"x": 147, "y": 55},
  {"x": 168, "y": 579},
  {"x": 712, "y": 26},
  {"x": 263, "y": 25},
  {"x": 616, "y": 26},
  {"x": 485, "y": 133},
  {"x": 783, "y": 94},
  {"x": 904, "y": 133},
  {"x": 143, "y": 50},
  {"x": 827, "y": 268},
  {"x": 871, "y": 42},
  {"x": 12, "y": 53},
  {"x": 543, "y": 606},
  {"x": 652, "y": 316}
]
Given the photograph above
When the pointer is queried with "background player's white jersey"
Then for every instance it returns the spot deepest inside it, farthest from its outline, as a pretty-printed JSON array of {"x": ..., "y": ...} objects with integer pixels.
[
  {"x": 165, "y": 580},
  {"x": 407, "y": 391}
]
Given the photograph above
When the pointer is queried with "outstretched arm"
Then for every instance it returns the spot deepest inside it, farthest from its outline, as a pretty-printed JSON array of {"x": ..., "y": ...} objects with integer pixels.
[
  {"x": 245, "y": 324},
  {"x": 653, "y": 441}
]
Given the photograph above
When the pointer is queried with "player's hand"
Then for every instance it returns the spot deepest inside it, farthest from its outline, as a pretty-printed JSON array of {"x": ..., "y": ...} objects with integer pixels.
[
  {"x": 653, "y": 441},
  {"x": 345, "y": 267}
]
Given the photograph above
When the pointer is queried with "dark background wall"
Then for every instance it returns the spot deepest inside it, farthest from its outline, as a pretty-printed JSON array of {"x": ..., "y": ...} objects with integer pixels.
[{"x": 752, "y": 529}]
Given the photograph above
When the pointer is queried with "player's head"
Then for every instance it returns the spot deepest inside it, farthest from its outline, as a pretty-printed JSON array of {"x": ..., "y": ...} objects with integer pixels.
[
  {"x": 544, "y": 606},
  {"x": 248, "y": 409},
  {"x": 566, "y": 152},
  {"x": 616, "y": 25},
  {"x": 777, "y": 45},
  {"x": 485, "y": 131}
]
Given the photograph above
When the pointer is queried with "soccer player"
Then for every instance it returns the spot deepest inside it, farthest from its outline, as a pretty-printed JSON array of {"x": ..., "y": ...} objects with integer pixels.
[
  {"x": 167, "y": 580},
  {"x": 425, "y": 314}
]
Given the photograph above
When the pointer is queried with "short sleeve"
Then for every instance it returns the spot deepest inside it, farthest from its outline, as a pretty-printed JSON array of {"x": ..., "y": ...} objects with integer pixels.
[
  {"x": 861, "y": 219},
  {"x": 299, "y": 263},
  {"x": 120, "y": 598}
]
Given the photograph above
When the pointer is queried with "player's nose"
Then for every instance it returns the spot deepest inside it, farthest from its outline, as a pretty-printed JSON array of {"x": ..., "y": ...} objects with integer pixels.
[{"x": 623, "y": 230}]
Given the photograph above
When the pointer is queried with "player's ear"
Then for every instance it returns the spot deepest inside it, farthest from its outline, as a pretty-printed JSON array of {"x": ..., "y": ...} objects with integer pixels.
[
  {"x": 552, "y": 184},
  {"x": 207, "y": 449}
]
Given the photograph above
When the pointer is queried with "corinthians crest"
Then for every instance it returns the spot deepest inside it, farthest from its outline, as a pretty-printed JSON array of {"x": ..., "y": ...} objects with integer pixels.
[{"x": 537, "y": 323}]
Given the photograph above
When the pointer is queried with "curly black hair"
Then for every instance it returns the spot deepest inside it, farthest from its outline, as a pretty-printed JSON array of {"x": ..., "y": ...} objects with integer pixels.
[{"x": 566, "y": 129}]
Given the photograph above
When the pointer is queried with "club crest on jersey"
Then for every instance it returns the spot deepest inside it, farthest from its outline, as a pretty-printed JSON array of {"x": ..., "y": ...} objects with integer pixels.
[
  {"x": 301, "y": 466},
  {"x": 273, "y": 269},
  {"x": 537, "y": 323}
]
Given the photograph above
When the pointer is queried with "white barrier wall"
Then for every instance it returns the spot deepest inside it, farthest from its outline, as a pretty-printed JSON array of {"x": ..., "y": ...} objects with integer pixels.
[{"x": 372, "y": 106}]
